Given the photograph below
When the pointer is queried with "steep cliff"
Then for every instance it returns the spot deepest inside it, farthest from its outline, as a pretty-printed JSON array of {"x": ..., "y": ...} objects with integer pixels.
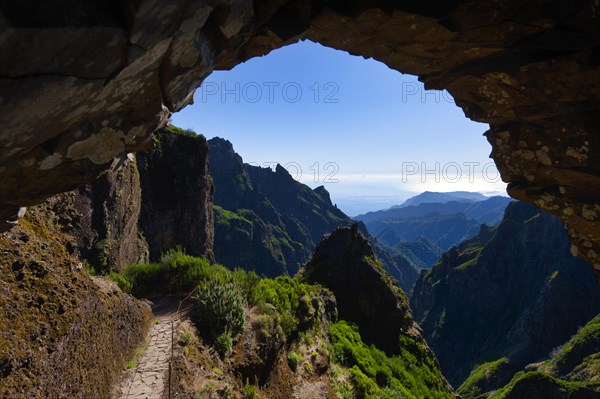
[
  {"x": 513, "y": 291},
  {"x": 127, "y": 217},
  {"x": 250, "y": 231},
  {"x": 345, "y": 263},
  {"x": 107, "y": 231},
  {"x": 62, "y": 333},
  {"x": 368, "y": 297},
  {"x": 177, "y": 194}
]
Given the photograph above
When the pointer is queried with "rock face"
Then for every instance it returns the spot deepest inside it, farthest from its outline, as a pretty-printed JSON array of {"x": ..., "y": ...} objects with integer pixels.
[
  {"x": 513, "y": 291},
  {"x": 366, "y": 295},
  {"x": 62, "y": 333},
  {"x": 177, "y": 194},
  {"x": 124, "y": 212},
  {"x": 269, "y": 222},
  {"x": 266, "y": 220},
  {"x": 107, "y": 227},
  {"x": 83, "y": 83}
]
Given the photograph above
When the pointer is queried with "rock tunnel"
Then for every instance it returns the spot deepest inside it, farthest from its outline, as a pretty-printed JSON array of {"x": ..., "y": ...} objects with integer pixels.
[{"x": 82, "y": 82}]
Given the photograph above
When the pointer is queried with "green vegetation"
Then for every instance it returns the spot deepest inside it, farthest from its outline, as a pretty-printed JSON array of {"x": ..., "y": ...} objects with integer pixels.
[
  {"x": 412, "y": 374},
  {"x": 286, "y": 300},
  {"x": 224, "y": 343},
  {"x": 289, "y": 308},
  {"x": 175, "y": 273},
  {"x": 135, "y": 358},
  {"x": 572, "y": 372},
  {"x": 223, "y": 295},
  {"x": 574, "y": 352},
  {"x": 88, "y": 267},
  {"x": 171, "y": 129},
  {"x": 536, "y": 385},
  {"x": 124, "y": 284},
  {"x": 224, "y": 217},
  {"x": 294, "y": 360},
  {"x": 220, "y": 308},
  {"x": 99, "y": 260},
  {"x": 475, "y": 386},
  {"x": 250, "y": 391},
  {"x": 467, "y": 264},
  {"x": 185, "y": 338}
]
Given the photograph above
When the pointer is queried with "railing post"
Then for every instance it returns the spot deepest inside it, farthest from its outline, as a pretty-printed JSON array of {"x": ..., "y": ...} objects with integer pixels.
[{"x": 170, "y": 366}]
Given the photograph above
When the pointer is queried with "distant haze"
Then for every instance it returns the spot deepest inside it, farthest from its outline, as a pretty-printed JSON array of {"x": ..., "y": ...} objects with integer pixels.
[{"x": 372, "y": 136}]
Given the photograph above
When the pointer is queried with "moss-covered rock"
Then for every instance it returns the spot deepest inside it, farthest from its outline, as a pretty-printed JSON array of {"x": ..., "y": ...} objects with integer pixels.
[
  {"x": 536, "y": 385},
  {"x": 487, "y": 377},
  {"x": 62, "y": 333}
]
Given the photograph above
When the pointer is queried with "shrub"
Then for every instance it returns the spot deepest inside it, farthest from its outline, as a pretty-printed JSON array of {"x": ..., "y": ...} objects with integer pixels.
[
  {"x": 285, "y": 298},
  {"x": 220, "y": 307},
  {"x": 185, "y": 338},
  {"x": 248, "y": 281},
  {"x": 294, "y": 360},
  {"x": 122, "y": 282},
  {"x": 88, "y": 267},
  {"x": 147, "y": 279},
  {"x": 224, "y": 343},
  {"x": 250, "y": 391},
  {"x": 176, "y": 273},
  {"x": 410, "y": 374},
  {"x": 263, "y": 324},
  {"x": 307, "y": 367}
]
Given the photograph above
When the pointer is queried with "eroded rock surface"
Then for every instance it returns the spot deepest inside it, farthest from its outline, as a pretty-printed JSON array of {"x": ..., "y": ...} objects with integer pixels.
[
  {"x": 82, "y": 83},
  {"x": 177, "y": 194},
  {"x": 62, "y": 333},
  {"x": 107, "y": 228}
]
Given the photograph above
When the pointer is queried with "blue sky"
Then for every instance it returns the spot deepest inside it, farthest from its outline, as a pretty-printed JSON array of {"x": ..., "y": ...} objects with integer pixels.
[{"x": 370, "y": 135}]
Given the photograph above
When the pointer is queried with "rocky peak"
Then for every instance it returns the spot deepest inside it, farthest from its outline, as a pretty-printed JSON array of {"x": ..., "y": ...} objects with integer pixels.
[
  {"x": 322, "y": 192},
  {"x": 366, "y": 295},
  {"x": 177, "y": 194}
]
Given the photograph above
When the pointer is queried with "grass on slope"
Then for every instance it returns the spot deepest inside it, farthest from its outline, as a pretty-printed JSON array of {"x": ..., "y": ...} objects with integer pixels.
[{"x": 410, "y": 375}]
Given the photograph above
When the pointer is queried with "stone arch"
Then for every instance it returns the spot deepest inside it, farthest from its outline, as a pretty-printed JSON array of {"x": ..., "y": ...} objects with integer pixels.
[{"x": 83, "y": 82}]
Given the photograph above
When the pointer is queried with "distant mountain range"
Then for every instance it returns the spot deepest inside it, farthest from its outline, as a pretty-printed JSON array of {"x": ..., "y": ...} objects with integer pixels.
[
  {"x": 269, "y": 222},
  {"x": 430, "y": 197},
  {"x": 437, "y": 219}
]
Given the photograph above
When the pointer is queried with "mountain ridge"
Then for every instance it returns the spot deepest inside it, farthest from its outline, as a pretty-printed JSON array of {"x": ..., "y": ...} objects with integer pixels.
[
  {"x": 444, "y": 224},
  {"x": 442, "y": 197},
  {"x": 278, "y": 219}
]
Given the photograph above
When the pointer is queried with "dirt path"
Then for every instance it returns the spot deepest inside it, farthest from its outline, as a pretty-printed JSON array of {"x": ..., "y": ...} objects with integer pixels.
[{"x": 148, "y": 380}]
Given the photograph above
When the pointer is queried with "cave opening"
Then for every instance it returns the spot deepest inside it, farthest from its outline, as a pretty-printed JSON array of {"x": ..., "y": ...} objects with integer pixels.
[{"x": 372, "y": 136}]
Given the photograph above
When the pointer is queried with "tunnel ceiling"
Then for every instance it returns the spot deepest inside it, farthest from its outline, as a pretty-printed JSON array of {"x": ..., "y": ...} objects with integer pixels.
[{"x": 82, "y": 82}]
